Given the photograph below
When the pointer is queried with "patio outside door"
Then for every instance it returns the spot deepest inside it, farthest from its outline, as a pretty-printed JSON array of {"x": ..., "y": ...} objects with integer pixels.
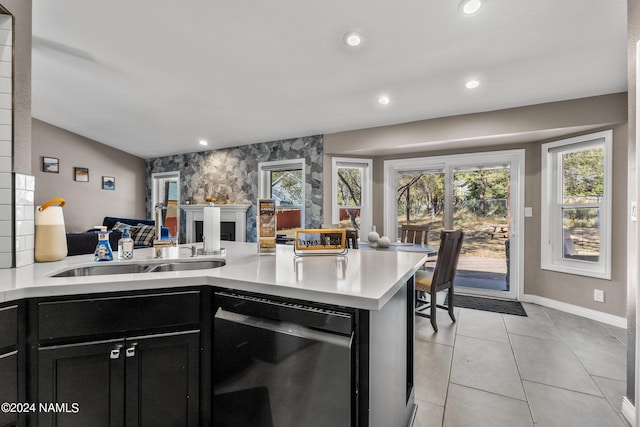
[
  {"x": 481, "y": 208},
  {"x": 481, "y": 193}
]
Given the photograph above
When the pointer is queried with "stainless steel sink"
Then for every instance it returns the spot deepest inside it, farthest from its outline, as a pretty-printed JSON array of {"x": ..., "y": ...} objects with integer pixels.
[
  {"x": 185, "y": 266},
  {"x": 102, "y": 269}
]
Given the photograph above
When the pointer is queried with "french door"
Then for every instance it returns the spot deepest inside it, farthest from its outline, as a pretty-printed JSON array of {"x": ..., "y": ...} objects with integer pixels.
[{"x": 480, "y": 193}]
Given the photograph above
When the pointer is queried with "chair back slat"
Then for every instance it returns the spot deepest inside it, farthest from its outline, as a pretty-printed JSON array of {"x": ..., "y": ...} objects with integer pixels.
[
  {"x": 352, "y": 239},
  {"x": 445, "y": 270},
  {"x": 412, "y": 233}
]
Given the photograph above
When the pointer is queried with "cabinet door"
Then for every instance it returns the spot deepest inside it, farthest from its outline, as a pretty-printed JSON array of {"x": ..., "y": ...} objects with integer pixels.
[
  {"x": 90, "y": 375},
  {"x": 9, "y": 386},
  {"x": 162, "y": 380}
]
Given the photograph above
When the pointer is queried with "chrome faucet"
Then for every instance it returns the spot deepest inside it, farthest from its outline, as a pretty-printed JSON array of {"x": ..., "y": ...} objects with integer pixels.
[{"x": 159, "y": 243}]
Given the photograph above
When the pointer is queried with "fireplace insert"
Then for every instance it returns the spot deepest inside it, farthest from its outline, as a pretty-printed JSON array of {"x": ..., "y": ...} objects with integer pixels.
[{"x": 227, "y": 230}]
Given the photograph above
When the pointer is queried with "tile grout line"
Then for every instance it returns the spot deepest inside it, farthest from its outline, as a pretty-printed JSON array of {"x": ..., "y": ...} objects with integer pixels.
[
  {"x": 560, "y": 338},
  {"x": 515, "y": 359},
  {"x": 563, "y": 340},
  {"x": 490, "y": 392},
  {"x": 446, "y": 395},
  {"x": 571, "y": 390}
]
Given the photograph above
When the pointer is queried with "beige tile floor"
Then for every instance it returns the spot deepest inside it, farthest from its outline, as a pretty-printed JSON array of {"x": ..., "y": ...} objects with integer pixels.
[{"x": 548, "y": 369}]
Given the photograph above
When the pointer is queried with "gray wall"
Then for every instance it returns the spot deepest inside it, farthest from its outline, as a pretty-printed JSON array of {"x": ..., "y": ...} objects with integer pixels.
[
  {"x": 534, "y": 122},
  {"x": 633, "y": 27},
  {"x": 87, "y": 203},
  {"x": 231, "y": 175}
]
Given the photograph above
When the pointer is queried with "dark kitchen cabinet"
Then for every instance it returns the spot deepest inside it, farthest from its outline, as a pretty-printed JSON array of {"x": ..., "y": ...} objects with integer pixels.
[
  {"x": 89, "y": 375},
  {"x": 139, "y": 381},
  {"x": 9, "y": 386},
  {"x": 11, "y": 359},
  {"x": 163, "y": 380},
  {"x": 131, "y": 360}
]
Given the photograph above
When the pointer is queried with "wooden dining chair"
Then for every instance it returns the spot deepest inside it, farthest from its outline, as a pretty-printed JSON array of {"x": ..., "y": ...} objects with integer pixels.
[
  {"x": 352, "y": 235},
  {"x": 352, "y": 238},
  {"x": 414, "y": 233},
  {"x": 441, "y": 278}
]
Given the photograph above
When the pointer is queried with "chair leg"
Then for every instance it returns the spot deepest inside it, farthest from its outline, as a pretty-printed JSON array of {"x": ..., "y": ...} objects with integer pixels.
[
  {"x": 421, "y": 301},
  {"x": 434, "y": 307},
  {"x": 450, "y": 304}
]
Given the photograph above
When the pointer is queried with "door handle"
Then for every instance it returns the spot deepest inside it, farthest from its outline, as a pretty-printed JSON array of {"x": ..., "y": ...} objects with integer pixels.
[
  {"x": 115, "y": 352},
  {"x": 131, "y": 351}
]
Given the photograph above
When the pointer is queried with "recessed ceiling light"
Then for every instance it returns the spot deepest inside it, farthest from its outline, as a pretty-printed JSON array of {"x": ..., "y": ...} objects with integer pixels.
[
  {"x": 383, "y": 100},
  {"x": 469, "y": 7},
  {"x": 203, "y": 142},
  {"x": 353, "y": 39},
  {"x": 472, "y": 84}
]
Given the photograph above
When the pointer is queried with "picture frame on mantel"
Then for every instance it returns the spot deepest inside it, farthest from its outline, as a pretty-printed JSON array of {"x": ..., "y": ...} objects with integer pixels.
[
  {"x": 50, "y": 164},
  {"x": 81, "y": 174},
  {"x": 108, "y": 183}
]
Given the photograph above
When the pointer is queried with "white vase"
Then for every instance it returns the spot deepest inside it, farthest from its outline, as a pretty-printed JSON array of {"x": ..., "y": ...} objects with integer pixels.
[{"x": 373, "y": 236}]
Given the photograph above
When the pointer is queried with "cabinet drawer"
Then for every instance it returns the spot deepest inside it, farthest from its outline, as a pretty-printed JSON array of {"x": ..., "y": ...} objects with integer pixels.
[
  {"x": 95, "y": 316},
  {"x": 8, "y": 326}
]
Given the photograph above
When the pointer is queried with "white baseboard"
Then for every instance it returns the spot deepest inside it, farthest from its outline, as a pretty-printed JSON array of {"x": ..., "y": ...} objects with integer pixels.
[
  {"x": 599, "y": 316},
  {"x": 628, "y": 411}
]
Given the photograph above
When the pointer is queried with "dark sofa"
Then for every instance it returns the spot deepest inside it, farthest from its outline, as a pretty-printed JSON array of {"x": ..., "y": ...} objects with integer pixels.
[{"x": 85, "y": 243}]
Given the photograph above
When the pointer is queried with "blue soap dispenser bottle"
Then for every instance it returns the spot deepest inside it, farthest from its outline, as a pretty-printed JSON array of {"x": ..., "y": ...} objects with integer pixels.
[{"x": 103, "y": 250}]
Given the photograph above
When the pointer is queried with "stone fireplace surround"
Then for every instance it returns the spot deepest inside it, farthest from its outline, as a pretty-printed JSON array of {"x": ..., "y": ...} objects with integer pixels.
[
  {"x": 228, "y": 213},
  {"x": 231, "y": 174}
]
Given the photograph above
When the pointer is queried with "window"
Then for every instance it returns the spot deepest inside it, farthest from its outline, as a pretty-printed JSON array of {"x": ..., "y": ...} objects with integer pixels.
[
  {"x": 351, "y": 193},
  {"x": 576, "y": 205},
  {"x": 284, "y": 181}
]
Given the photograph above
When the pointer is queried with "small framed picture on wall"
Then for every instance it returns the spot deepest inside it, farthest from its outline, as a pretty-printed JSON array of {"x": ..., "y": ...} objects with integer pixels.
[
  {"x": 81, "y": 174},
  {"x": 50, "y": 164},
  {"x": 108, "y": 183}
]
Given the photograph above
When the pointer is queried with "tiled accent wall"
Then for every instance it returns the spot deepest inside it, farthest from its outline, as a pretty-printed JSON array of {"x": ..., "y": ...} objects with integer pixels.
[
  {"x": 232, "y": 174},
  {"x": 6, "y": 143},
  {"x": 24, "y": 218}
]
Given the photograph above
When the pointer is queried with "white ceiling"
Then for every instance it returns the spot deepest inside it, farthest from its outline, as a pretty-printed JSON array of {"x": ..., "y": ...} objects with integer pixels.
[{"x": 152, "y": 77}]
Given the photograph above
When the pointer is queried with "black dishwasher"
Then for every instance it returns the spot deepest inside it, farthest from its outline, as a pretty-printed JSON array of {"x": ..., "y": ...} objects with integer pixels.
[{"x": 279, "y": 363}]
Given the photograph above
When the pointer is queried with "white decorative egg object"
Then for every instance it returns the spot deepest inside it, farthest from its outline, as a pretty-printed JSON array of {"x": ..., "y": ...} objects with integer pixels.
[{"x": 384, "y": 242}]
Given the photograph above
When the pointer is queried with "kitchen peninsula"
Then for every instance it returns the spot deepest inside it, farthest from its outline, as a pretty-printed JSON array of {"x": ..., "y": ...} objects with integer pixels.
[{"x": 148, "y": 346}]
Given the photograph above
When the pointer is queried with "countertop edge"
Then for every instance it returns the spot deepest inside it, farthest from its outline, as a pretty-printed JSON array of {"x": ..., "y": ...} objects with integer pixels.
[{"x": 367, "y": 281}]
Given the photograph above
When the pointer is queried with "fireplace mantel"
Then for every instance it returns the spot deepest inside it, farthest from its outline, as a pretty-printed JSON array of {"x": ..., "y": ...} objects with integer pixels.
[{"x": 230, "y": 213}]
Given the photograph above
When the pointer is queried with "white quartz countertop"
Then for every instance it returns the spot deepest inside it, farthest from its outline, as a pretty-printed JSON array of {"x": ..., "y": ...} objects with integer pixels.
[{"x": 364, "y": 279}]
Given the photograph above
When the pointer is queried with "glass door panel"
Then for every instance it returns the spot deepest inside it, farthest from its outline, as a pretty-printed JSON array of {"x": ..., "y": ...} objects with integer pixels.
[
  {"x": 420, "y": 201},
  {"x": 480, "y": 193},
  {"x": 480, "y": 206}
]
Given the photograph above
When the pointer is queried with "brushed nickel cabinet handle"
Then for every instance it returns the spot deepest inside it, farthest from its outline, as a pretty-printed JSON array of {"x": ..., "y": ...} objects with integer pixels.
[
  {"x": 115, "y": 352},
  {"x": 131, "y": 351}
]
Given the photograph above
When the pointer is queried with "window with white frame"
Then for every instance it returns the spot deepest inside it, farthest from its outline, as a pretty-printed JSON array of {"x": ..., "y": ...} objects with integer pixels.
[
  {"x": 352, "y": 193},
  {"x": 284, "y": 181},
  {"x": 576, "y": 205}
]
